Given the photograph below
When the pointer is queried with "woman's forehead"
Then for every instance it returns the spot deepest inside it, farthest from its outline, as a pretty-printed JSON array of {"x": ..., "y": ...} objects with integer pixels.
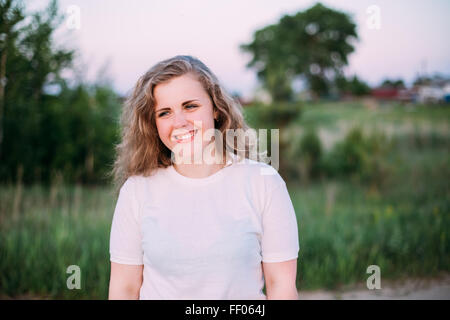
[{"x": 177, "y": 92}]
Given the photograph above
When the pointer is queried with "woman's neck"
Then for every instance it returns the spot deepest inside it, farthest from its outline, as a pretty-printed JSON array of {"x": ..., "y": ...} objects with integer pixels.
[
  {"x": 202, "y": 169},
  {"x": 198, "y": 171}
]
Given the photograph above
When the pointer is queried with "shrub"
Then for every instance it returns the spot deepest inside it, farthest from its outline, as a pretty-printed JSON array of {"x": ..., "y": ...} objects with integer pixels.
[
  {"x": 275, "y": 116},
  {"x": 362, "y": 158},
  {"x": 306, "y": 155}
]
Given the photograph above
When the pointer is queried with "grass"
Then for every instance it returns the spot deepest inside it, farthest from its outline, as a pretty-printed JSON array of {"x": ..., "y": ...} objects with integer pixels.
[
  {"x": 403, "y": 229},
  {"x": 324, "y": 114},
  {"x": 343, "y": 226},
  {"x": 43, "y": 240}
]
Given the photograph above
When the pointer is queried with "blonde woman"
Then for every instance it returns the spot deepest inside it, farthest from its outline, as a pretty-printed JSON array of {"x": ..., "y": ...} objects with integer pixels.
[{"x": 185, "y": 228}]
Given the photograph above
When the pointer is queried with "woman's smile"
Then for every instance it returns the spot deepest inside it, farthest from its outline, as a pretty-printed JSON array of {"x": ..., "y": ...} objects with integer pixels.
[{"x": 182, "y": 138}]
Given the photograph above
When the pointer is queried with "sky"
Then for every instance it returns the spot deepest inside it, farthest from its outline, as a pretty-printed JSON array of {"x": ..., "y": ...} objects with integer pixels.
[{"x": 123, "y": 39}]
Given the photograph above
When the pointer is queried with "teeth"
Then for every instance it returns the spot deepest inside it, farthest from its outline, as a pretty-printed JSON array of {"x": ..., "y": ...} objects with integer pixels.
[{"x": 186, "y": 136}]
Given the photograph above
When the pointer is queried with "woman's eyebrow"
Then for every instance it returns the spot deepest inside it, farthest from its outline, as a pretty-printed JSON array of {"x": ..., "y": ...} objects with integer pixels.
[{"x": 183, "y": 104}]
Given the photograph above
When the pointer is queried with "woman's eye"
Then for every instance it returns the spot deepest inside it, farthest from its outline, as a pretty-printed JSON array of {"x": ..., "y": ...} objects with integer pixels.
[{"x": 190, "y": 106}]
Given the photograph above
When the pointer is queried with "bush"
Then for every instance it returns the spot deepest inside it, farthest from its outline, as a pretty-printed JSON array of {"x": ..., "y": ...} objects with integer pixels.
[
  {"x": 348, "y": 156},
  {"x": 306, "y": 155},
  {"x": 421, "y": 140},
  {"x": 362, "y": 158},
  {"x": 275, "y": 116}
]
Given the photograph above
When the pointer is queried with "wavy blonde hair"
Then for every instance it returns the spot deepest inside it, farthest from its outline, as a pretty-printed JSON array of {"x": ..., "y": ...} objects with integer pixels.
[{"x": 140, "y": 150}]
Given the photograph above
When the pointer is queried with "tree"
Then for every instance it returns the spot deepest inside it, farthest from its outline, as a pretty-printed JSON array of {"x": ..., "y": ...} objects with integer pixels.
[
  {"x": 398, "y": 84},
  {"x": 314, "y": 44},
  {"x": 72, "y": 131},
  {"x": 354, "y": 85},
  {"x": 10, "y": 15},
  {"x": 32, "y": 62}
]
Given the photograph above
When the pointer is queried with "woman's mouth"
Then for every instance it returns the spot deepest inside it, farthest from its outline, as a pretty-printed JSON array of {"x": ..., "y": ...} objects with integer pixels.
[{"x": 185, "y": 137}]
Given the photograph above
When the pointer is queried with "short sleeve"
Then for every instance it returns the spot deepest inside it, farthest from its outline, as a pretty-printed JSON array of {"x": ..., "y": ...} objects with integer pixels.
[
  {"x": 280, "y": 231},
  {"x": 125, "y": 239}
]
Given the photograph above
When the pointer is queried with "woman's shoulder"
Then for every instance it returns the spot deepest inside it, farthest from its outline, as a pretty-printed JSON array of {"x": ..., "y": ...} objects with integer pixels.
[
  {"x": 145, "y": 180},
  {"x": 142, "y": 186},
  {"x": 259, "y": 171}
]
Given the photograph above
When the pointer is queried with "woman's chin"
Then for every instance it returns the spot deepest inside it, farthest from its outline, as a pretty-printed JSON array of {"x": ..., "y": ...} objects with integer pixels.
[{"x": 192, "y": 155}]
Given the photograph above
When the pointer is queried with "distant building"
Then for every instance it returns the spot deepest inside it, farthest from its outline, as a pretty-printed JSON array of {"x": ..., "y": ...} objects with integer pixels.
[
  {"x": 430, "y": 92},
  {"x": 407, "y": 95},
  {"x": 385, "y": 93},
  {"x": 433, "y": 90},
  {"x": 447, "y": 93}
]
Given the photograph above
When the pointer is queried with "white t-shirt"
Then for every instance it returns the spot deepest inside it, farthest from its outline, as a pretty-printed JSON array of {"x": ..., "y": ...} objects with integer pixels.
[{"x": 204, "y": 238}]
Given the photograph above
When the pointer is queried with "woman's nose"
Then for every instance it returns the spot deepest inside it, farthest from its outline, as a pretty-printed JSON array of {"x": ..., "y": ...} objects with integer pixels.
[{"x": 179, "y": 119}]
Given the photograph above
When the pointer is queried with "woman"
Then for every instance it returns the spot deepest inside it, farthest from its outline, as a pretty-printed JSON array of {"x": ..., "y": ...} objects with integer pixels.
[{"x": 187, "y": 228}]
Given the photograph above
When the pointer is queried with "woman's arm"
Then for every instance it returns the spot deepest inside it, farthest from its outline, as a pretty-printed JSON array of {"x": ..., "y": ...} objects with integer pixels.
[
  {"x": 125, "y": 281},
  {"x": 280, "y": 280}
]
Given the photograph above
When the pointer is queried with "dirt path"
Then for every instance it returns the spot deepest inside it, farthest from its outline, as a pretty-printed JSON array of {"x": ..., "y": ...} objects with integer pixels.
[
  {"x": 411, "y": 289},
  {"x": 437, "y": 288}
]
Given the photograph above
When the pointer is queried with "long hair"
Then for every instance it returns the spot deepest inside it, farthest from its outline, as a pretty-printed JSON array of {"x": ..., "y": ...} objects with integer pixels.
[{"x": 140, "y": 150}]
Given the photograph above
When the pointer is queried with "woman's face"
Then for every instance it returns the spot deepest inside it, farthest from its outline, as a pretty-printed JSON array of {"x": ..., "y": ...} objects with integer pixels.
[{"x": 179, "y": 103}]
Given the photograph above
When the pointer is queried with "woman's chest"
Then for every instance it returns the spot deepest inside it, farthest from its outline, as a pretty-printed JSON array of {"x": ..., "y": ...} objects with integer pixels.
[{"x": 199, "y": 232}]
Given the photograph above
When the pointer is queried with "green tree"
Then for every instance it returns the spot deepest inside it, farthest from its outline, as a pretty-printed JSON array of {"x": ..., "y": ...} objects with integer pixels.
[
  {"x": 354, "y": 85},
  {"x": 10, "y": 16},
  {"x": 32, "y": 62},
  {"x": 72, "y": 129},
  {"x": 82, "y": 131},
  {"x": 314, "y": 43},
  {"x": 399, "y": 84}
]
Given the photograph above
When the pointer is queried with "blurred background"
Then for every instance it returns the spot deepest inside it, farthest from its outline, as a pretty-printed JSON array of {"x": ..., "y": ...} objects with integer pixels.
[{"x": 360, "y": 91}]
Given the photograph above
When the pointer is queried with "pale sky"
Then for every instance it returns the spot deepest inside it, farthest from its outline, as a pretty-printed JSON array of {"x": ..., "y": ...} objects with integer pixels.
[{"x": 131, "y": 36}]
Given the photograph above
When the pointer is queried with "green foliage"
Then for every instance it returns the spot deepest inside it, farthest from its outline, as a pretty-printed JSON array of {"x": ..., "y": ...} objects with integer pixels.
[
  {"x": 51, "y": 230},
  {"x": 306, "y": 156},
  {"x": 350, "y": 155},
  {"x": 400, "y": 227},
  {"x": 343, "y": 226},
  {"x": 82, "y": 133},
  {"x": 354, "y": 86},
  {"x": 393, "y": 83},
  {"x": 277, "y": 115},
  {"x": 360, "y": 157},
  {"x": 403, "y": 228},
  {"x": 72, "y": 131},
  {"x": 419, "y": 141},
  {"x": 310, "y": 145},
  {"x": 311, "y": 43}
]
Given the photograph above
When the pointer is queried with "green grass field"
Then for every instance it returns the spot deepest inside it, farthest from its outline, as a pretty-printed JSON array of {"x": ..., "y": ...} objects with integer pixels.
[{"x": 343, "y": 226}]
